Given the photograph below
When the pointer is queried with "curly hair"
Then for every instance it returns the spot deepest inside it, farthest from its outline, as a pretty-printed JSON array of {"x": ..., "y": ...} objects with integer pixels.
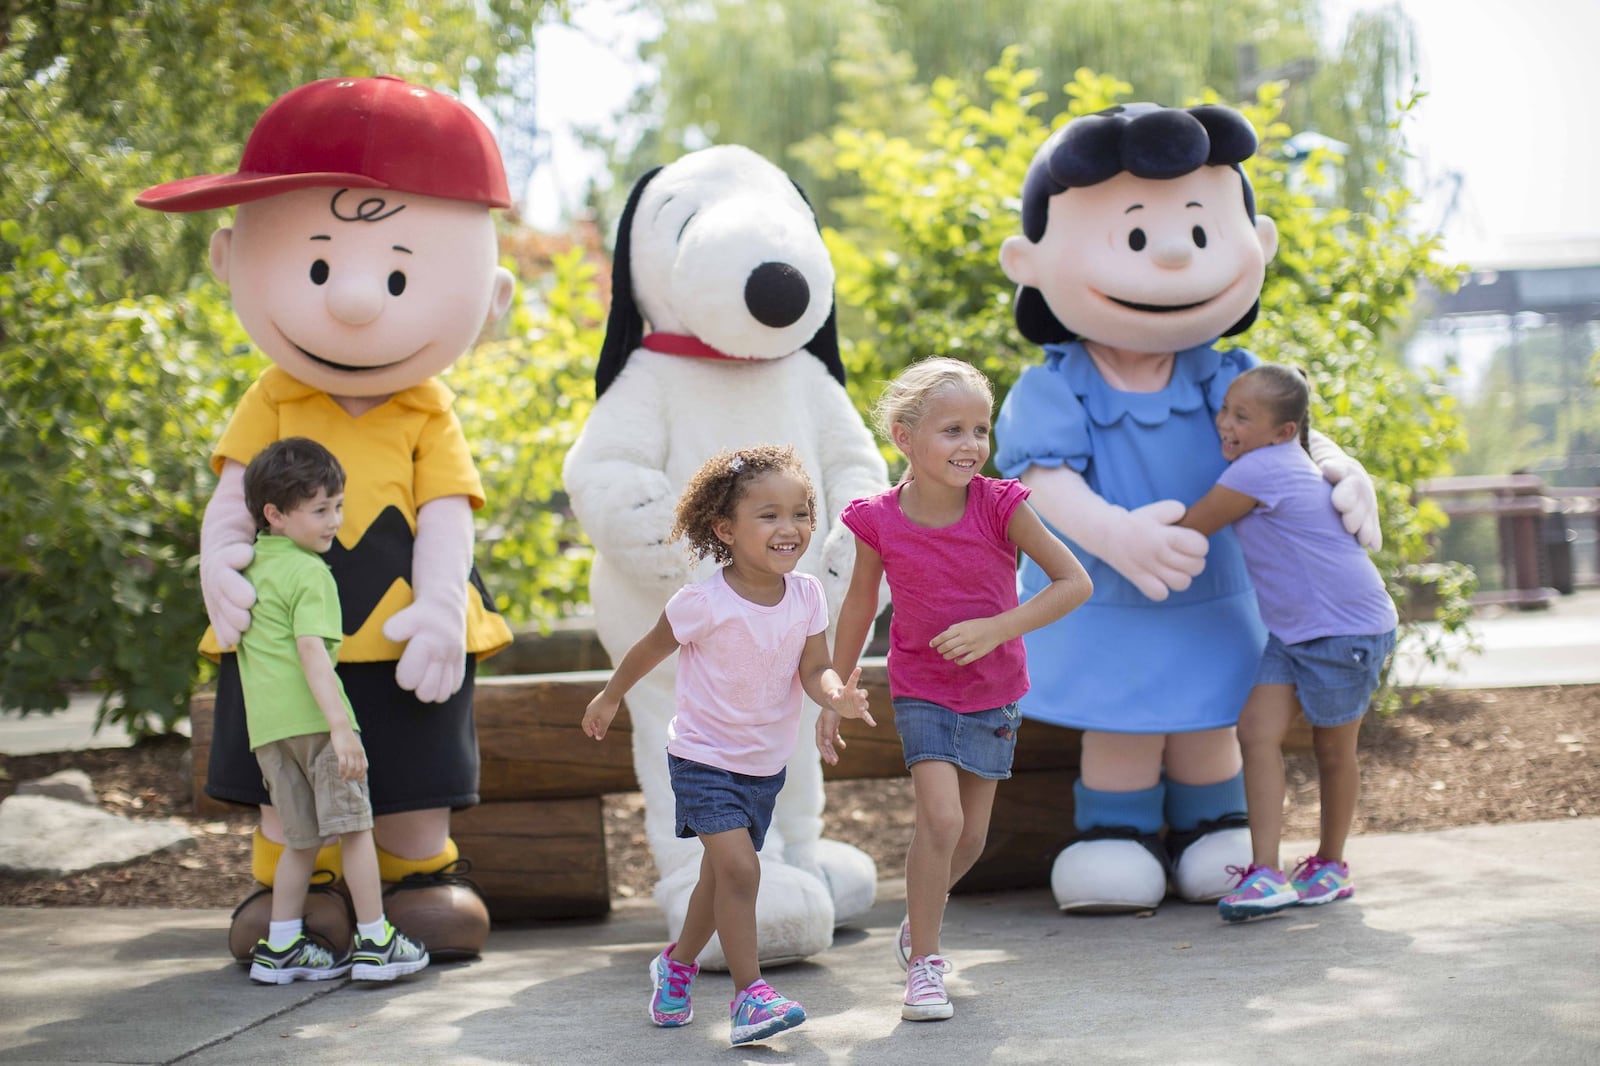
[
  {"x": 288, "y": 472},
  {"x": 718, "y": 486}
]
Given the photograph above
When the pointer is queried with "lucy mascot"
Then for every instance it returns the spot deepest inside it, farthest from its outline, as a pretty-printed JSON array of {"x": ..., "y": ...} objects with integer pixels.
[
  {"x": 720, "y": 253},
  {"x": 1141, "y": 247},
  {"x": 362, "y": 261}
]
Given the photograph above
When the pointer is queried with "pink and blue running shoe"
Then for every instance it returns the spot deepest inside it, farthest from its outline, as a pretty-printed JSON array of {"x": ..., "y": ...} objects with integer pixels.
[
  {"x": 1317, "y": 881},
  {"x": 759, "y": 1012},
  {"x": 1262, "y": 890},
  {"x": 672, "y": 981}
]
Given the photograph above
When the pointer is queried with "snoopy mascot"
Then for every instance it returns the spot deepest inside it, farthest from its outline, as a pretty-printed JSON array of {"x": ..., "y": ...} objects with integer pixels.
[{"x": 720, "y": 253}]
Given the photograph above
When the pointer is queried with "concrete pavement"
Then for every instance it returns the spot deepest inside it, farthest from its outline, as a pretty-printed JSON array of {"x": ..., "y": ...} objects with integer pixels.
[
  {"x": 1468, "y": 945},
  {"x": 1559, "y": 645}
]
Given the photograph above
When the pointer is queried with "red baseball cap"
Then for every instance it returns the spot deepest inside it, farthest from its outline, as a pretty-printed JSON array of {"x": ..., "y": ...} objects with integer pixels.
[{"x": 365, "y": 133}]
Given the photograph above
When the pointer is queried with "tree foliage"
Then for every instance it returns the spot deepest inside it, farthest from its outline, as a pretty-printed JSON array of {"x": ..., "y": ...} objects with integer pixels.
[
  {"x": 102, "y": 470},
  {"x": 524, "y": 398},
  {"x": 801, "y": 61},
  {"x": 917, "y": 260}
]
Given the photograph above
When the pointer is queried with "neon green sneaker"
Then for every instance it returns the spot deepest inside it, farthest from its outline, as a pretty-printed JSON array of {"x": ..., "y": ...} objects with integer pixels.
[{"x": 395, "y": 957}]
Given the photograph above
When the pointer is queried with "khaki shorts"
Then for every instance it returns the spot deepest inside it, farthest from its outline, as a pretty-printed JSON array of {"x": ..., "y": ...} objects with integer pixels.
[{"x": 313, "y": 801}]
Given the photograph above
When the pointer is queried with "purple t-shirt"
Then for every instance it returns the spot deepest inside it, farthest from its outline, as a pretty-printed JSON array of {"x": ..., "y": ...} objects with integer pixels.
[
  {"x": 943, "y": 576},
  {"x": 1312, "y": 578}
]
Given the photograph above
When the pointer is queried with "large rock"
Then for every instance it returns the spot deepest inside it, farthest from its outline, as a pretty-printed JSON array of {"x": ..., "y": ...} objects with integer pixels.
[
  {"x": 45, "y": 837},
  {"x": 72, "y": 785}
]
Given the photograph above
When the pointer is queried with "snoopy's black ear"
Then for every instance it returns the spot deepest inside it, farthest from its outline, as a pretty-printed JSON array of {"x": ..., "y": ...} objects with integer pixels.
[
  {"x": 825, "y": 345},
  {"x": 624, "y": 325}
]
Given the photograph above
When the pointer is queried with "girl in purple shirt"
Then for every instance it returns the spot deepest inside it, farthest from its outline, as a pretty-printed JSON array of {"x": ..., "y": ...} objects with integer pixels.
[
  {"x": 1330, "y": 623},
  {"x": 946, "y": 538}
]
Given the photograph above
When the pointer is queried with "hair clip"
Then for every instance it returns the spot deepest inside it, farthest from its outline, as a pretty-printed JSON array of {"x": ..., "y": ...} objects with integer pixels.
[{"x": 736, "y": 464}]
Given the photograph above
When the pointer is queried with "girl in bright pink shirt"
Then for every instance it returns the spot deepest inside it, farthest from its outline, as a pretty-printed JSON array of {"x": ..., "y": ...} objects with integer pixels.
[
  {"x": 753, "y": 637},
  {"x": 946, "y": 538}
]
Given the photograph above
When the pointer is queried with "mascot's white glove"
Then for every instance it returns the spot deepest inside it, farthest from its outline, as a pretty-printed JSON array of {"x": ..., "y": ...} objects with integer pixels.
[
  {"x": 638, "y": 540},
  {"x": 616, "y": 479},
  {"x": 838, "y": 562},
  {"x": 227, "y": 544},
  {"x": 434, "y": 627},
  {"x": 1142, "y": 545},
  {"x": 1355, "y": 497}
]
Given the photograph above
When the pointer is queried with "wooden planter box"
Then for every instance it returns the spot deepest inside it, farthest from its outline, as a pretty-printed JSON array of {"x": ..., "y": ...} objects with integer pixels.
[{"x": 537, "y": 839}]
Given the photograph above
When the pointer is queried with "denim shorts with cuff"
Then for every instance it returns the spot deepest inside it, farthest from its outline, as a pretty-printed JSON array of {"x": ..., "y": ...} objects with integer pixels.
[
  {"x": 979, "y": 742},
  {"x": 709, "y": 799},
  {"x": 1333, "y": 677}
]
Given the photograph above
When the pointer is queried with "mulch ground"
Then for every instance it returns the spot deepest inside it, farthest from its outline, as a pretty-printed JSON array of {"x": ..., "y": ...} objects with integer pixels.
[{"x": 1456, "y": 758}]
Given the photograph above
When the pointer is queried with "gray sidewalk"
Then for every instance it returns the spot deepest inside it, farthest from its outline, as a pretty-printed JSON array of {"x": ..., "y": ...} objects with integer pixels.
[{"x": 1473, "y": 945}]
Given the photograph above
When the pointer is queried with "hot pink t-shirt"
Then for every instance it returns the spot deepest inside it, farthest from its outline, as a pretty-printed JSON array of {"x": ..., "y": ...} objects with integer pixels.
[
  {"x": 943, "y": 576},
  {"x": 739, "y": 672}
]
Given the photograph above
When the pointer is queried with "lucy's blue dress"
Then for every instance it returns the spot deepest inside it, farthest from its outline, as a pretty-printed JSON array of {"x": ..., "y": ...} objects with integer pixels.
[{"x": 1123, "y": 663}]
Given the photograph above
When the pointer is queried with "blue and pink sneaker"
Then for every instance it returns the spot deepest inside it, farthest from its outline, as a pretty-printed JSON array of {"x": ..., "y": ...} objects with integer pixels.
[
  {"x": 1262, "y": 890},
  {"x": 672, "y": 981},
  {"x": 759, "y": 1012},
  {"x": 1317, "y": 881}
]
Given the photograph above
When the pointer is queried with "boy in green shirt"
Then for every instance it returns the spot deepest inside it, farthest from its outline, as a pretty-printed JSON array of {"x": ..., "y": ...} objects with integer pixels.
[{"x": 302, "y": 729}]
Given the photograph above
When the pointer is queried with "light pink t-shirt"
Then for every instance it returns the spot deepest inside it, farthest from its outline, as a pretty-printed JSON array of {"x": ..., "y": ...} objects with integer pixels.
[
  {"x": 739, "y": 672},
  {"x": 943, "y": 576}
]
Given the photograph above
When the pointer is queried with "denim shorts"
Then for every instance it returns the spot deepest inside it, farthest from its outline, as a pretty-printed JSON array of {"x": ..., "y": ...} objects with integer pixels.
[
  {"x": 710, "y": 799},
  {"x": 1333, "y": 677},
  {"x": 979, "y": 742}
]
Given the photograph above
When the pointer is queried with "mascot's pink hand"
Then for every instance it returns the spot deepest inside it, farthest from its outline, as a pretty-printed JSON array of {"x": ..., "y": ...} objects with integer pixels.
[
  {"x": 228, "y": 596},
  {"x": 1355, "y": 497},
  {"x": 434, "y": 662},
  {"x": 1158, "y": 557}
]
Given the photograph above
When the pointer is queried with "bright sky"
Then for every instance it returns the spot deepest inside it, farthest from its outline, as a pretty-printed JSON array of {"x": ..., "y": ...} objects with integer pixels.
[
  {"x": 1513, "y": 89},
  {"x": 1513, "y": 98}
]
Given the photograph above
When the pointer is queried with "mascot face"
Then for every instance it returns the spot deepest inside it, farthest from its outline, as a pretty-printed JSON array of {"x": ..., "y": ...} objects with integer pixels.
[
  {"x": 1148, "y": 265},
  {"x": 724, "y": 248},
  {"x": 361, "y": 292}
]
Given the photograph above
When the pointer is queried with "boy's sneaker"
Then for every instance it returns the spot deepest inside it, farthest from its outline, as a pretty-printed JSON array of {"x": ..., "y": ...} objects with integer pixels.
[
  {"x": 302, "y": 960},
  {"x": 902, "y": 943},
  {"x": 395, "y": 957},
  {"x": 1262, "y": 890},
  {"x": 926, "y": 999},
  {"x": 758, "y": 1012},
  {"x": 1317, "y": 880},
  {"x": 669, "y": 1003}
]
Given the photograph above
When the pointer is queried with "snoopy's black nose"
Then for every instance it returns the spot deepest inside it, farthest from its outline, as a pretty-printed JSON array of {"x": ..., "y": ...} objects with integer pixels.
[{"x": 777, "y": 294}]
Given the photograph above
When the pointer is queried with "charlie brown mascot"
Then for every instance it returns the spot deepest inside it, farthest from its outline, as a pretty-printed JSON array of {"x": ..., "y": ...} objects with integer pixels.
[
  {"x": 1141, "y": 247},
  {"x": 362, "y": 261}
]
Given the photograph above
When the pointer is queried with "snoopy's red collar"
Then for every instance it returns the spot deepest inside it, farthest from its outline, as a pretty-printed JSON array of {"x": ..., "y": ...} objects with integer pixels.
[{"x": 684, "y": 344}]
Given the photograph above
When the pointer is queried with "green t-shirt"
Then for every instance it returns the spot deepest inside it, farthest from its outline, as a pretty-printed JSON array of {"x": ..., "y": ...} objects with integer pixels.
[{"x": 295, "y": 597}]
